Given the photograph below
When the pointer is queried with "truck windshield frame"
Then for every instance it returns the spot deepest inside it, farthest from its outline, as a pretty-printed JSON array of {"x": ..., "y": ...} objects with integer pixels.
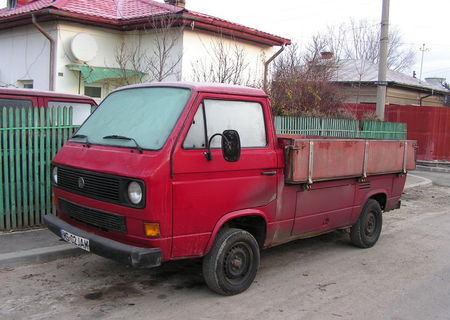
[{"x": 146, "y": 114}]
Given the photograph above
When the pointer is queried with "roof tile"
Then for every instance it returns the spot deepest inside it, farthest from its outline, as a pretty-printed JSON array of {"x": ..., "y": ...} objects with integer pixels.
[
  {"x": 110, "y": 9},
  {"x": 124, "y": 10}
]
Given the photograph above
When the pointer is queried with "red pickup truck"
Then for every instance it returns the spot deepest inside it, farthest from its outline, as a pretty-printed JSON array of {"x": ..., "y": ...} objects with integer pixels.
[{"x": 166, "y": 171}]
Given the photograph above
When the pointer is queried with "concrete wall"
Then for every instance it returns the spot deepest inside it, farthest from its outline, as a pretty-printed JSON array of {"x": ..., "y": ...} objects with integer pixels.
[{"x": 24, "y": 55}]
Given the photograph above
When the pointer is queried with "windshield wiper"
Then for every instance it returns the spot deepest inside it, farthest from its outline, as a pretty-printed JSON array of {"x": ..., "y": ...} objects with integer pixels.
[
  {"x": 114, "y": 136},
  {"x": 82, "y": 136}
]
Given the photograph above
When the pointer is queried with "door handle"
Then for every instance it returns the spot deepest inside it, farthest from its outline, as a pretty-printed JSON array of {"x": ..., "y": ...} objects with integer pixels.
[{"x": 269, "y": 173}]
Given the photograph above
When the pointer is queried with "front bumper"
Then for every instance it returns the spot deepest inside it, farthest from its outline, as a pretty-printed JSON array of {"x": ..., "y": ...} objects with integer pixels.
[{"x": 123, "y": 253}]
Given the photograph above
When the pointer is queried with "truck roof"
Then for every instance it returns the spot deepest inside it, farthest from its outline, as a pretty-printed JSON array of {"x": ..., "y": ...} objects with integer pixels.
[
  {"x": 41, "y": 93},
  {"x": 204, "y": 87}
]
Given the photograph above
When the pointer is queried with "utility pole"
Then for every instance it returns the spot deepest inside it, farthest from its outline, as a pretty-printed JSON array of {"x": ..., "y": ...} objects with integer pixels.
[
  {"x": 423, "y": 49},
  {"x": 382, "y": 63}
]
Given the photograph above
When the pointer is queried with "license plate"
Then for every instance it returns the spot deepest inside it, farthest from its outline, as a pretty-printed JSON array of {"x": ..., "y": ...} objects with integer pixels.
[{"x": 80, "y": 242}]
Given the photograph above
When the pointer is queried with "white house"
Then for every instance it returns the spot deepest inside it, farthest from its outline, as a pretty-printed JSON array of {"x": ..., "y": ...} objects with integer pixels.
[{"x": 93, "y": 46}]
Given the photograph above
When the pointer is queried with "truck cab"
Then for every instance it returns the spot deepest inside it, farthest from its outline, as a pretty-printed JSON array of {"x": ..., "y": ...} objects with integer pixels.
[{"x": 149, "y": 178}]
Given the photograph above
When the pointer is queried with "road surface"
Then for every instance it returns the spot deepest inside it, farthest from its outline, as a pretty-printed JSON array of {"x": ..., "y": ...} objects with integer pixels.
[{"x": 405, "y": 276}]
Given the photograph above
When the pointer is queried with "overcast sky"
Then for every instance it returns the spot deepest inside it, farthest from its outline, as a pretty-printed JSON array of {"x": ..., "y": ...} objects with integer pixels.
[{"x": 419, "y": 21}]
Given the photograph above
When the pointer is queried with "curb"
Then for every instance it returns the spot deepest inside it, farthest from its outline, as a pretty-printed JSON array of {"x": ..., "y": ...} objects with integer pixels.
[
  {"x": 433, "y": 169},
  {"x": 424, "y": 183},
  {"x": 39, "y": 255}
]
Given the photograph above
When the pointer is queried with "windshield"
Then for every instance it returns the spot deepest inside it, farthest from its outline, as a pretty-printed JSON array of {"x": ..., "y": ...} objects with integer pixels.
[{"x": 147, "y": 115}]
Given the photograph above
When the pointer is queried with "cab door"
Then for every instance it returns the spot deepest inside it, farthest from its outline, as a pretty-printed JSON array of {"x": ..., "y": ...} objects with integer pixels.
[{"x": 204, "y": 191}]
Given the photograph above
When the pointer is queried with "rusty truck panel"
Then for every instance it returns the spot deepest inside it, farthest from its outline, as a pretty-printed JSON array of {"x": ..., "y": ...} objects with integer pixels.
[{"x": 312, "y": 160}]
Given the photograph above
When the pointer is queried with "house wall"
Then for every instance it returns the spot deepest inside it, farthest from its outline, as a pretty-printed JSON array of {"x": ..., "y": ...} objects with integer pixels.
[
  {"x": 109, "y": 43},
  {"x": 24, "y": 55},
  {"x": 403, "y": 97},
  {"x": 192, "y": 53},
  {"x": 394, "y": 96},
  {"x": 201, "y": 51},
  {"x": 363, "y": 94},
  {"x": 166, "y": 43},
  {"x": 69, "y": 81}
]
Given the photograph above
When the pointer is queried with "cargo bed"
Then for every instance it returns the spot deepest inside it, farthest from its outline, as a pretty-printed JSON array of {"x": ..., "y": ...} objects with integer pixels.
[{"x": 309, "y": 160}]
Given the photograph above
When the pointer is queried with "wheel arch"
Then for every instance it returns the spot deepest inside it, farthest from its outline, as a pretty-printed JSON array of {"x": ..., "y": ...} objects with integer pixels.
[
  {"x": 380, "y": 197},
  {"x": 252, "y": 221}
]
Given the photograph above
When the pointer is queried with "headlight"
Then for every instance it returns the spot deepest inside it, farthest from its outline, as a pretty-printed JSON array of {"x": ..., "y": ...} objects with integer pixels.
[
  {"x": 55, "y": 175},
  {"x": 134, "y": 192}
]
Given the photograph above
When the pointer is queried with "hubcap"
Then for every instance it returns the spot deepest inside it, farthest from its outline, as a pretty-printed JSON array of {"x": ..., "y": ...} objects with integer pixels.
[
  {"x": 237, "y": 261},
  {"x": 370, "y": 224}
]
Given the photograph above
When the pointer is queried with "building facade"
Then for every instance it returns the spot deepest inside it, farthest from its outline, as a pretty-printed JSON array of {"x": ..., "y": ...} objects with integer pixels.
[{"x": 94, "y": 46}]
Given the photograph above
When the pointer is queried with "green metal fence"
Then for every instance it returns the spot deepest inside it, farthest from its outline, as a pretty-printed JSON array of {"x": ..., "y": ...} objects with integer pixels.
[
  {"x": 340, "y": 128},
  {"x": 383, "y": 130},
  {"x": 29, "y": 138}
]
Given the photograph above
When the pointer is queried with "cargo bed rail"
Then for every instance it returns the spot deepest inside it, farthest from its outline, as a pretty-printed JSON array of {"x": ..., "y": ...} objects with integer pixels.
[{"x": 312, "y": 160}]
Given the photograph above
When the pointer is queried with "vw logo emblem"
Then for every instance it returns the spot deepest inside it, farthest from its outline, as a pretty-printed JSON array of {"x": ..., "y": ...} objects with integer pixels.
[{"x": 81, "y": 182}]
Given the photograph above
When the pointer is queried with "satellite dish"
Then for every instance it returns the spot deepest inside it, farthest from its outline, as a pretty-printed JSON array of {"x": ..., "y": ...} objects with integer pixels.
[{"x": 84, "y": 47}]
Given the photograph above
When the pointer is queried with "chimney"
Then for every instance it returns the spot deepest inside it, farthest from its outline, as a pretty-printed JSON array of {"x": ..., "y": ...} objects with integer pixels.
[
  {"x": 326, "y": 55},
  {"x": 178, "y": 3},
  {"x": 435, "y": 80},
  {"x": 17, "y": 3}
]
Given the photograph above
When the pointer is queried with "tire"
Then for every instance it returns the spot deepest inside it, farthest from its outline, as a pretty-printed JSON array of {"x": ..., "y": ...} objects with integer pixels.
[
  {"x": 366, "y": 231},
  {"x": 231, "y": 265}
]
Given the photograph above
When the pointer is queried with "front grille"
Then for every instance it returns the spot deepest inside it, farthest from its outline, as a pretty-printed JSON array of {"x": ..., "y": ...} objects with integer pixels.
[
  {"x": 95, "y": 218},
  {"x": 89, "y": 183}
]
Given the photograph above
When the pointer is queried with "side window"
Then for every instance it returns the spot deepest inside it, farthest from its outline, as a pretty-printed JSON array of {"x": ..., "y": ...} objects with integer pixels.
[
  {"x": 80, "y": 110},
  {"x": 19, "y": 103},
  {"x": 245, "y": 117},
  {"x": 195, "y": 139}
]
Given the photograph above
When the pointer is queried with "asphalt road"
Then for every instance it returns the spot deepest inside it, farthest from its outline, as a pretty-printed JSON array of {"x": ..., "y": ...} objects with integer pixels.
[
  {"x": 438, "y": 178},
  {"x": 405, "y": 276}
]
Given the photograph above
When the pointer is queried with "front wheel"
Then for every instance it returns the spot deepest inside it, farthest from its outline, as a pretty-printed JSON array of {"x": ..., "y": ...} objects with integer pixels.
[
  {"x": 231, "y": 265},
  {"x": 366, "y": 231}
]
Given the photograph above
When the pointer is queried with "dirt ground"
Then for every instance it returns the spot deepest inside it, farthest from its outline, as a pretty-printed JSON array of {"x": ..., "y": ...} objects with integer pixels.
[{"x": 405, "y": 276}]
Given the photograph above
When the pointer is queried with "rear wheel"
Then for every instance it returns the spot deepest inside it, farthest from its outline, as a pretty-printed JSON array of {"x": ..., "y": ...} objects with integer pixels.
[
  {"x": 366, "y": 231},
  {"x": 231, "y": 265}
]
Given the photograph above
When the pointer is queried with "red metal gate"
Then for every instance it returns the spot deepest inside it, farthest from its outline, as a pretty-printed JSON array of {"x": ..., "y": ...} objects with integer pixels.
[{"x": 430, "y": 126}]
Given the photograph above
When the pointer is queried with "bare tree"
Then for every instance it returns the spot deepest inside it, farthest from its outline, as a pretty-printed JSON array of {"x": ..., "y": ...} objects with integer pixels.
[
  {"x": 225, "y": 63},
  {"x": 302, "y": 87},
  {"x": 155, "y": 62},
  {"x": 359, "y": 40},
  {"x": 130, "y": 59},
  {"x": 333, "y": 40},
  {"x": 163, "y": 61}
]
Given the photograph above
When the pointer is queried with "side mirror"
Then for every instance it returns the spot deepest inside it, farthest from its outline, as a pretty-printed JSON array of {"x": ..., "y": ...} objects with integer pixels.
[{"x": 231, "y": 145}]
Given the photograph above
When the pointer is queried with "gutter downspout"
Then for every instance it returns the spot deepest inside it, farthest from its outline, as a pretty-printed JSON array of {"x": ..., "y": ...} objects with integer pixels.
[
  {"x": 266, "y": 66},
  {"x": 51, "y": 82},
  {"x": 424, "y": 97}
]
